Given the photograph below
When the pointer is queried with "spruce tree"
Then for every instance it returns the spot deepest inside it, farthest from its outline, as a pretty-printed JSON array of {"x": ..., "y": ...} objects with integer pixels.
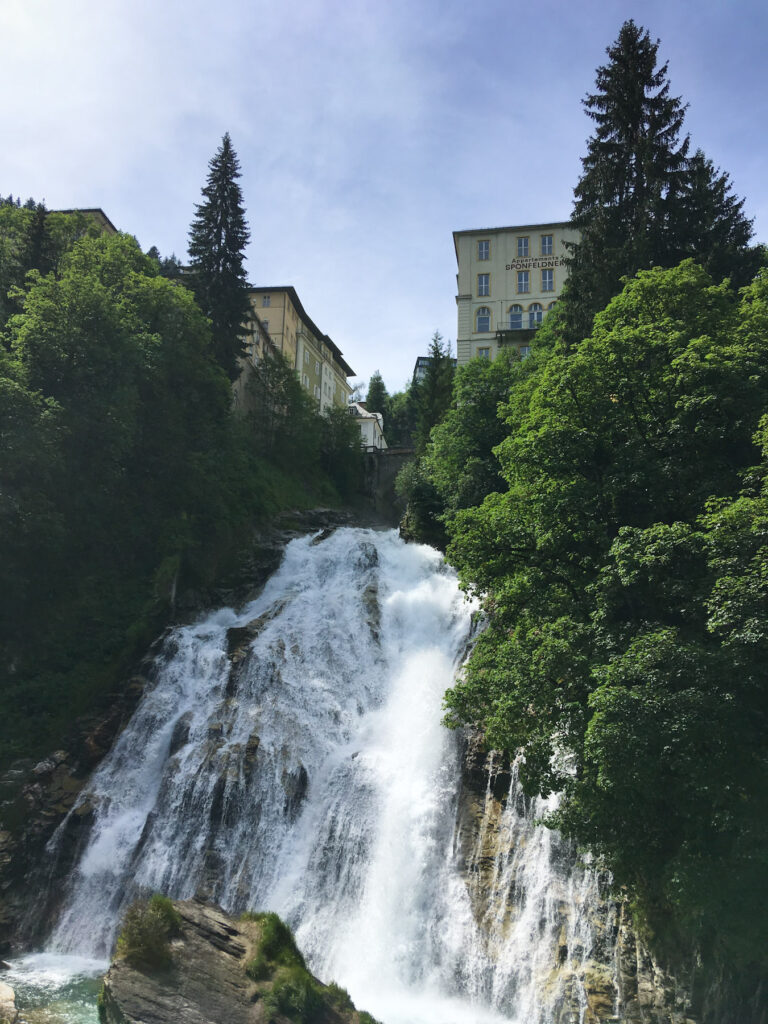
[
  {"x": 217, "y": 239},
  {"x": 377, "y": 399},
  {"x": 713, "y": 228},
  {"x": 633, "y": 173},
  {"x": 433, "y": 394}
]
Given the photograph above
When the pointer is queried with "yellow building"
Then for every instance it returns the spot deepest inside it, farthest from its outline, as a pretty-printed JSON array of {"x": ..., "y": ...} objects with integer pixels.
[
  {"x": 318, "y": 361},
  {"x": 508, "y": 280}
]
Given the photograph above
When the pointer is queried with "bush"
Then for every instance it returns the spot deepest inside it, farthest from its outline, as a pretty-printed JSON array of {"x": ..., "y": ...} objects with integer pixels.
[
  {"x": 277, "y": 947},
  {"x": 295, "y": 994},
  {"x": 148, "y": 927}
]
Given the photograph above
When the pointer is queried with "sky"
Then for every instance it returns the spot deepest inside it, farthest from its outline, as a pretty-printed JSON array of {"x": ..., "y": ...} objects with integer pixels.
[{"x": 367, "y": 132}]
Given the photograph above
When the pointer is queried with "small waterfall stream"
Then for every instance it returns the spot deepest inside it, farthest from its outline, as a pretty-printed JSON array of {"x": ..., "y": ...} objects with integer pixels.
[{"x": 290, "y": 756}]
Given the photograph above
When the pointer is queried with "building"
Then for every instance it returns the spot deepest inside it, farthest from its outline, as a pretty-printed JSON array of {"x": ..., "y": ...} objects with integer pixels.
[
  {"x": 257, "y": 343},
  {"x": 420, "y": 368},
  {"x": 97, "y": 215},
  {"x": 508, "y": 280},
  {"x": 319, "y": 362},
  {"x": 371, "y": 426}
]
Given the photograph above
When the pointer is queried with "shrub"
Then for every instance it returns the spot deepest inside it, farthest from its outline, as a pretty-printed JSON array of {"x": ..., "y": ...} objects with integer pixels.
[
  {"x": 148, "y": 926},
  {"x": 277, "y": 946},
  {"x": 295, "y": 994}
]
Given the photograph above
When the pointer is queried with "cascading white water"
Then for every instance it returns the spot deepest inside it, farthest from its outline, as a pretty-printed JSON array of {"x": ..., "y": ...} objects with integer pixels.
[{"x": 308, "y": 772}]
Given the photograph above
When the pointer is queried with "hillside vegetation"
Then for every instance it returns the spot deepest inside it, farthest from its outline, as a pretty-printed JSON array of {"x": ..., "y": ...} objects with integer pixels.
[{"x": 124, "y": 474}]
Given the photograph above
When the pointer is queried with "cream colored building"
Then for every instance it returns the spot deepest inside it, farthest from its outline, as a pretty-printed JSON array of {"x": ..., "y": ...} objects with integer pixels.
[
  {"x": 508, "y": 280},
  {"x": 318, "y": 361}
]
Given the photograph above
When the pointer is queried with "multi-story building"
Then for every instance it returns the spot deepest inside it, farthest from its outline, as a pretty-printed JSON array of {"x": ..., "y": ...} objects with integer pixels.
[
  {"x": 508, "y": 280},
  {"x": 319, "y": 362}
]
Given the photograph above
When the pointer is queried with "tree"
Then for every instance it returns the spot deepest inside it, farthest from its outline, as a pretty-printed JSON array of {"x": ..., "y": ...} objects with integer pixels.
[
  {"x": 634, "y": 168},
  {"x": 713, "y": 228},
  {"x": 433, "y": 394},
  {"x": 217, "y": 240},
  {"x": 624, "y": 572},
  {"x": 377, "y": 399}
]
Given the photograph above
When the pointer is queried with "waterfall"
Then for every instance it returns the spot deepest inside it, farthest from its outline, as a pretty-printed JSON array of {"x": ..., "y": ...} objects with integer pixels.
[{"x": 290, "y": 756}]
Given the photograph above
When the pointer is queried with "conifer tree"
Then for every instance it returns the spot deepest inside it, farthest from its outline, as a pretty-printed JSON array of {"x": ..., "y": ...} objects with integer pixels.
[
  {"x": 217, "y": 240},
  {"x": 377, "y": 399},
  {"x": 713, "y": 228},
  {"x": 433, "y": 394},
  {"x": 634, "y": 171}
]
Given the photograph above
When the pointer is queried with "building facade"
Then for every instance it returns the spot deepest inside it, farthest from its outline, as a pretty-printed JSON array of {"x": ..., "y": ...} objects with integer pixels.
[
  {"x": 508, "y": 280},
  {"x": 317, "y": 360},
  {"x": 371, "y": 426}
]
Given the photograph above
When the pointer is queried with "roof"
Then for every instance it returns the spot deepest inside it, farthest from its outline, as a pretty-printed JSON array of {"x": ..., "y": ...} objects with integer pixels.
[
  {"x": 310, "y": 323},
  {"x": 92, "y": 211}
]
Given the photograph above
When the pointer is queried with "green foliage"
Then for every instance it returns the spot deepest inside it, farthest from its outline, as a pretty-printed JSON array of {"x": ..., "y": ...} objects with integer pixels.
[
  {"x": 148, "y": 927},
  {"x": 296, "y": 995},
  {"x": 124, "y": 475},
  {"x": 377, "y": 398},
  {"x": 432, "y": 396},
  {"x": 641, "y": 201},
  {"x": 277, "y": 947},
  {"x": 623, "y": 562},
  {"x": 217, "y": 240}
]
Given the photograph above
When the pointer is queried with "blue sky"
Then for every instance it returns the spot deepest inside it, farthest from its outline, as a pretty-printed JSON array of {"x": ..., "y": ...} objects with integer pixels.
[{"x": 367, "y": 132}]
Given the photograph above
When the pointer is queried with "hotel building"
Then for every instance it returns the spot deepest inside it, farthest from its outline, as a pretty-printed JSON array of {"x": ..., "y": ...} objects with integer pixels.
[
  {"x": 318, "y": 362},
  {"x": 508, "y": 280}
]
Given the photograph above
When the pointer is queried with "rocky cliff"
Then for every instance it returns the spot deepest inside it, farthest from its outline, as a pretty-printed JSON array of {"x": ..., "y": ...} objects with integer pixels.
[
  {"x": 599, "y": 968},
  {"x": 210, "y": 979}
]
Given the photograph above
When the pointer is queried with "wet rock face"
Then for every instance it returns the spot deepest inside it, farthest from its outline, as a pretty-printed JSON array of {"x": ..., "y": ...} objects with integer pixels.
[
  {"x": 601, "y": 974},
  {"x": 206, "y": 982},
  {"x": 35, "y": 797}
]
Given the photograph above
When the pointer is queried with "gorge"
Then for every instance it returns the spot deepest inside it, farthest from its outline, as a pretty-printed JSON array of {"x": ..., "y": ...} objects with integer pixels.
[{"x": 290, "y": 756}]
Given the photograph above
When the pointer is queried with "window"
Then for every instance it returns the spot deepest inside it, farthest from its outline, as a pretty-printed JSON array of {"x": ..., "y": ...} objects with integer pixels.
[
  {"x": 551, "y": 306},
  {"x": 484, "y": 353},
  {"x": 546, "y": 245},
  {"x": 317, "y": 366},
  {"x": 306, "y": 358},
  {"x": 525, "y": 350},
  {"x": 305, "y": 381},
  {"x": 515, "y": 318},
  {"x": 483, "y": 250},
  {"x": 483, "y": 284},
  {"x": 535, "y": 314},
  {"x": 523, "y": 281},
  {"x": 483, "y": 319},
  {"x": 317, "y": 392},
  {"x": 547, "y": 280},
  {"x": 265, "y": 300},
  {"x": 522, "y": 247}
]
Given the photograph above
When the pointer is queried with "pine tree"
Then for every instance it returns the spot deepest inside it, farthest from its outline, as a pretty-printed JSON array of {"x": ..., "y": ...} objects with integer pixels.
[
  {"x": 433, "y": 394},
  {"x": 634, "y": 171},
  {"x": 377, "y": 399},
  {"x": 713, "y": 228},
  {"x": 217, "y": 239}
]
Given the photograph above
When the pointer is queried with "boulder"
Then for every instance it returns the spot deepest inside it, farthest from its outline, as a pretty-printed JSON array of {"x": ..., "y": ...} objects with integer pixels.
[
  {"x": 207, "y": 982},
  {"x": 8, "y": 1011}
]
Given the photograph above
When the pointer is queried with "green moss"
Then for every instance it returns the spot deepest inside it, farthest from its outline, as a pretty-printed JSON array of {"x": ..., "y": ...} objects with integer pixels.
[{"x": 148, "y": 926}]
